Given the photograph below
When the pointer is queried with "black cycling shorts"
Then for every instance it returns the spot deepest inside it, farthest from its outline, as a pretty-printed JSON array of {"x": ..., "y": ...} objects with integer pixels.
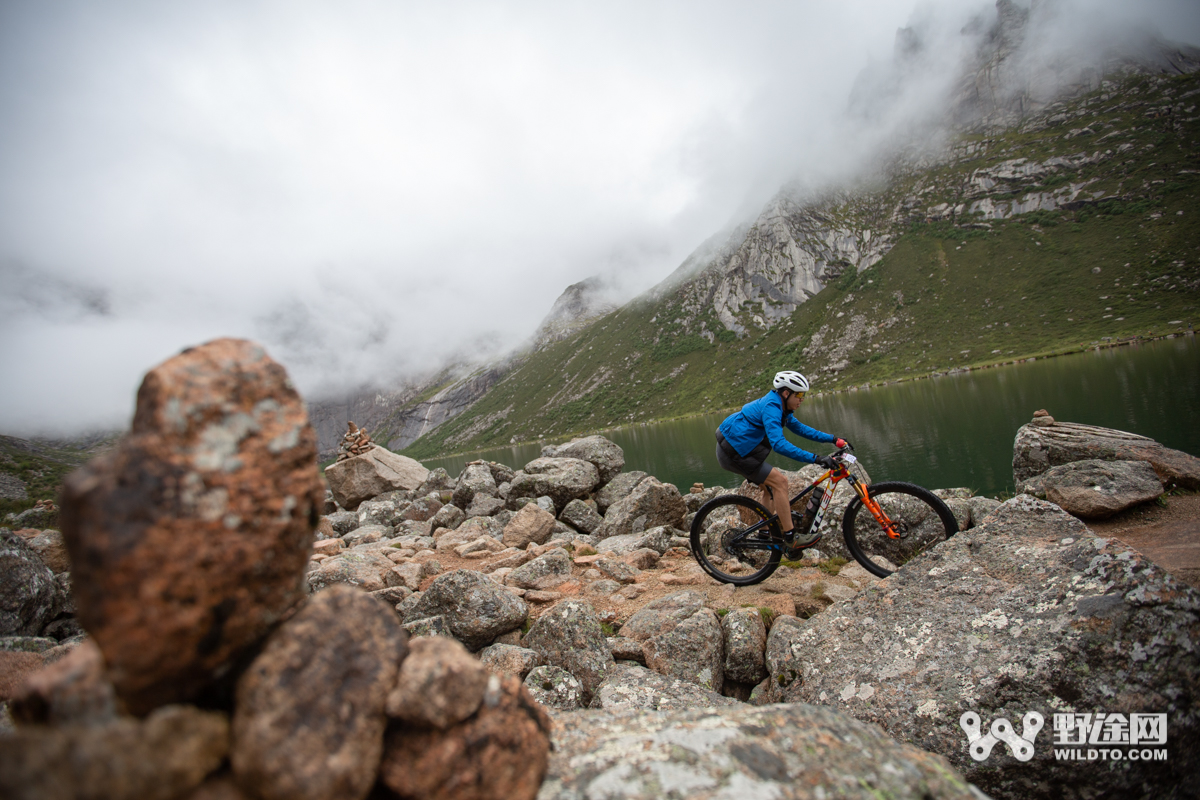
[{"x": 753, "y": 466}]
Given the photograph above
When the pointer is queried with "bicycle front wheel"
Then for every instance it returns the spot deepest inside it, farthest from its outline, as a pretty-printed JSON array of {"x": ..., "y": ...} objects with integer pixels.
[
  {"x": 919, "y": 516},
  {"x": 736, "y": 540}
]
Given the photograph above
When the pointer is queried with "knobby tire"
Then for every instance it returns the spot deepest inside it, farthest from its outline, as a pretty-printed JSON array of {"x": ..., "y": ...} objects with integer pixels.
[
  {"x": 920, "y": 514},
  {"x": 720, "y": 548}
]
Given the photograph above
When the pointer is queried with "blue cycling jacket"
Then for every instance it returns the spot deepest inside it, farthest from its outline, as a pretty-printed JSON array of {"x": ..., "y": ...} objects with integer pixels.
[{"x": 765, "y": 417}]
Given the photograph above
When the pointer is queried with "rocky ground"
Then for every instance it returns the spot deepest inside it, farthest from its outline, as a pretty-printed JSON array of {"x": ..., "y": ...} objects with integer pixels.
[
  {"x": 1167, "y": 534},
  {"x": 414, "y": 634}
]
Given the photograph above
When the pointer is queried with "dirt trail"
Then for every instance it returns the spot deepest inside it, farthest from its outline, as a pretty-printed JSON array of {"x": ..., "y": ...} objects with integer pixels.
[{"x": 1170, "y": 536}]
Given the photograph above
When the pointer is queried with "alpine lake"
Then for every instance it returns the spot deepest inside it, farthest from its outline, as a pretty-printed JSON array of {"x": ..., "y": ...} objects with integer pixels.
[{"x": 951, "y": 431}]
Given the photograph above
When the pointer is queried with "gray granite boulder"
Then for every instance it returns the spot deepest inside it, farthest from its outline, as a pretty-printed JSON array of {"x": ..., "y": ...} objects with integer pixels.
[
  {"x": 606, "y": 456},
  {"x": 693, "y": 650},
  {"x": 651, "y": 503},
  {"x": 738, "y": 753},
  {"x": 1095, "y": 489},
  {"x": 1046, "y": 443},
  {"x": 29, "y": 597},
  {"x": 448, "y": 516},
  {"x": 530, "y": 524},
  {"x": 661, "y": 615},
  {"x": 580, "y": 516},
  {"x": 476, "y": 478},
  {"x": 618, "y": 488},
  {"x": 555, "y": 687},
  {"x": 630, "y": 686},
  {"x": 1027, "y": 612},
  {"x": 568, "y": 635},
  {"x": 657, "y": 539},
  {"x": 483, "y": 505},
  {"x": 376, "y": 471},
  {"x": 381, "y": 511},
  {"x": 476, "y": 608},
  {"x": 509, "y": 659},
  {"x": 365, "y": 569},
  {"x": 560, "y": 479},
  {"x": 544, "y": 572},
  {"x": 745, "y": 637}
]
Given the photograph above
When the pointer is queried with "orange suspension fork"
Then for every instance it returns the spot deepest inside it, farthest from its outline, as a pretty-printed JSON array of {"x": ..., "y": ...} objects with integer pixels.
[{"x": 876, "y": 512}]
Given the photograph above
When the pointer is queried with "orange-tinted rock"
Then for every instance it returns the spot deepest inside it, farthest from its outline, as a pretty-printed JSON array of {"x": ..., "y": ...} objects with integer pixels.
[
  {"x": 309, "y": 718},
  {"x": 15, "y": 668},
  {"x": 189, "y": 541},
  {"x": 73, "y": 690},
  {"x": 500, "y": 753}
]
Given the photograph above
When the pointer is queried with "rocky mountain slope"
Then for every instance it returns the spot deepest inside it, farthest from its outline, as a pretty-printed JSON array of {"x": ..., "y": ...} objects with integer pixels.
[{"x": 1073, "y": 229}]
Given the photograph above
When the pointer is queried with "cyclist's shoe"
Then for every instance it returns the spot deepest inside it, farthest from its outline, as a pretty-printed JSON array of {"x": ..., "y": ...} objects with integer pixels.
[{"x": 795, "y": 545}]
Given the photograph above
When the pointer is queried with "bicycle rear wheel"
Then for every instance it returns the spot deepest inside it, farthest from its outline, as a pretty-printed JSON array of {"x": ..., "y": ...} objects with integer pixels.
[
  {"x": 735, "y": 540},
  {"x": 920, "y": 517}
]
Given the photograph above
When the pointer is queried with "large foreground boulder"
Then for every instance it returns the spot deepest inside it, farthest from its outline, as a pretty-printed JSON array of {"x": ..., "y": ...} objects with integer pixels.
[
  {"x": 1046, "y": 443},
  {"x": 779, "y": 752},
  {"x": 189, "y": 541},
  {"x": 568, "y": 636},
  {"x": 376, "y": 471},
  {"x": 1026, "y": 613}
]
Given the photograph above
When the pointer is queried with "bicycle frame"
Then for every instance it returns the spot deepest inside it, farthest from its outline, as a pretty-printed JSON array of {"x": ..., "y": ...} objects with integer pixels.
[{"x": 834, "y": 477}]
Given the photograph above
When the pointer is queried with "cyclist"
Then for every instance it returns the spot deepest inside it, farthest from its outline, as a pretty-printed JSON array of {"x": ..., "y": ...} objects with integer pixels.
[{"x": 746, "y": 438}]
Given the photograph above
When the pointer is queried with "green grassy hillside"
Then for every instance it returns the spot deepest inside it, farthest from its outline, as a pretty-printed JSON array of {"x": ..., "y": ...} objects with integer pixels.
[{"x": 966, "y": 292}]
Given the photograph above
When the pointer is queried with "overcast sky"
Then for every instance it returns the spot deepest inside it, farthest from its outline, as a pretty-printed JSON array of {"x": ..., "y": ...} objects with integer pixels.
[{"x": 369, "y": 187}]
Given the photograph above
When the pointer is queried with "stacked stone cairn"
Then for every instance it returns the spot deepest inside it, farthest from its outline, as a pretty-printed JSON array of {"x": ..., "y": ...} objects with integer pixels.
[
  {"x": 355, "y": 442},
  {"x": 229, "y": 655}
]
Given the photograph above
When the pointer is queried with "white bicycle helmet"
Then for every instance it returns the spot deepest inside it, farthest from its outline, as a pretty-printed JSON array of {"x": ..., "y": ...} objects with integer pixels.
[{"x": 788, "y": 379}]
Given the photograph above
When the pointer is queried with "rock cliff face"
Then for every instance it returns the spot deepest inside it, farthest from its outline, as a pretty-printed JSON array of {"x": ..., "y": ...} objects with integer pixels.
[{"x": 576, "y": 307}]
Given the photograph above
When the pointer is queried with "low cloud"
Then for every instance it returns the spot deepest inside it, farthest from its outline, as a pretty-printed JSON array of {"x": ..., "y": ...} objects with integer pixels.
[{"x": 374, "y": 188}]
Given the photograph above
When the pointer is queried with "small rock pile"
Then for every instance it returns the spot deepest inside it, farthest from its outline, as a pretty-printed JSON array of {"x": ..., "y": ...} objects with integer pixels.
[
  {"x": 355, "y": 442},
  {"x": 210, "y": 670}
]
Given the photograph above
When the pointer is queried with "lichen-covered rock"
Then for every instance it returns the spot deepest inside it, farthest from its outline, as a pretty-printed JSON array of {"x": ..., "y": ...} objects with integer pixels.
[
  {"x": 440, "y": 684},
  {"x": 309, "y": 715},
  {"x": 28, "y": 593},
  {"x": 52, "y": 549},
  {"x": 582, "y": 517},
  {"x": 342, "y": 522},
  {"x": 693, "y": 650},
  {"x": 508, "y": 659},
  {"x": 745, "y": 637},
  {"x": 371, "y": 474},
  {"x": 72, "y": 691},
  {"x": 630, "y": 686},
  {"x": 544, "y": 572},
  {"x": 568, "y": 635},
  {"x": 500, "y": 753},
  {"x": 483, "y": 505},
  {"x": 365, "y": 569},
  {"x": 657, "y": 539},
  {"x": 476, "y": 607},
  {"x": 661, "y": 615},
  {"x": 981, "y": 507},
  {"x": 448, "y": 516},
  {"x": 795, "y": 751},
  {"x": 555, "y": 687},
  {"x": 475, "y": 478},
  {"x": 421, "y": 509},
  {"x": 626, "y": 649},
  {"x": 606, "y": 456},
  {"x": 189, "y": 541},
  {"x": 1027, "y": 612},
  {"x": 1095, "y": 489},
  {"x": 530, "y": 524},
  {"x": 386, "y": 511},
  {"x": 618, "y": 488},
  {"x": 618, "y": 571},
  {"x": 650, "y": 504},
  {"x": 366, "y": 534},
  {"x": 158, "y": 758},
  {"x": 560, "y": 479},
  {"x": 1046, "y": 443}
]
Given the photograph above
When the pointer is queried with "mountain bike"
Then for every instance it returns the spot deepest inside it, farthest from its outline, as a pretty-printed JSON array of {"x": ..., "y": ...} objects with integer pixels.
[{"x": 737, "y": 540}]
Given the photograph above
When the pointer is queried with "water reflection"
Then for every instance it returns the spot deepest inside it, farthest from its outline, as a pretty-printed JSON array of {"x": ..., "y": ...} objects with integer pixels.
[{"x": 952, "y": 431}]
